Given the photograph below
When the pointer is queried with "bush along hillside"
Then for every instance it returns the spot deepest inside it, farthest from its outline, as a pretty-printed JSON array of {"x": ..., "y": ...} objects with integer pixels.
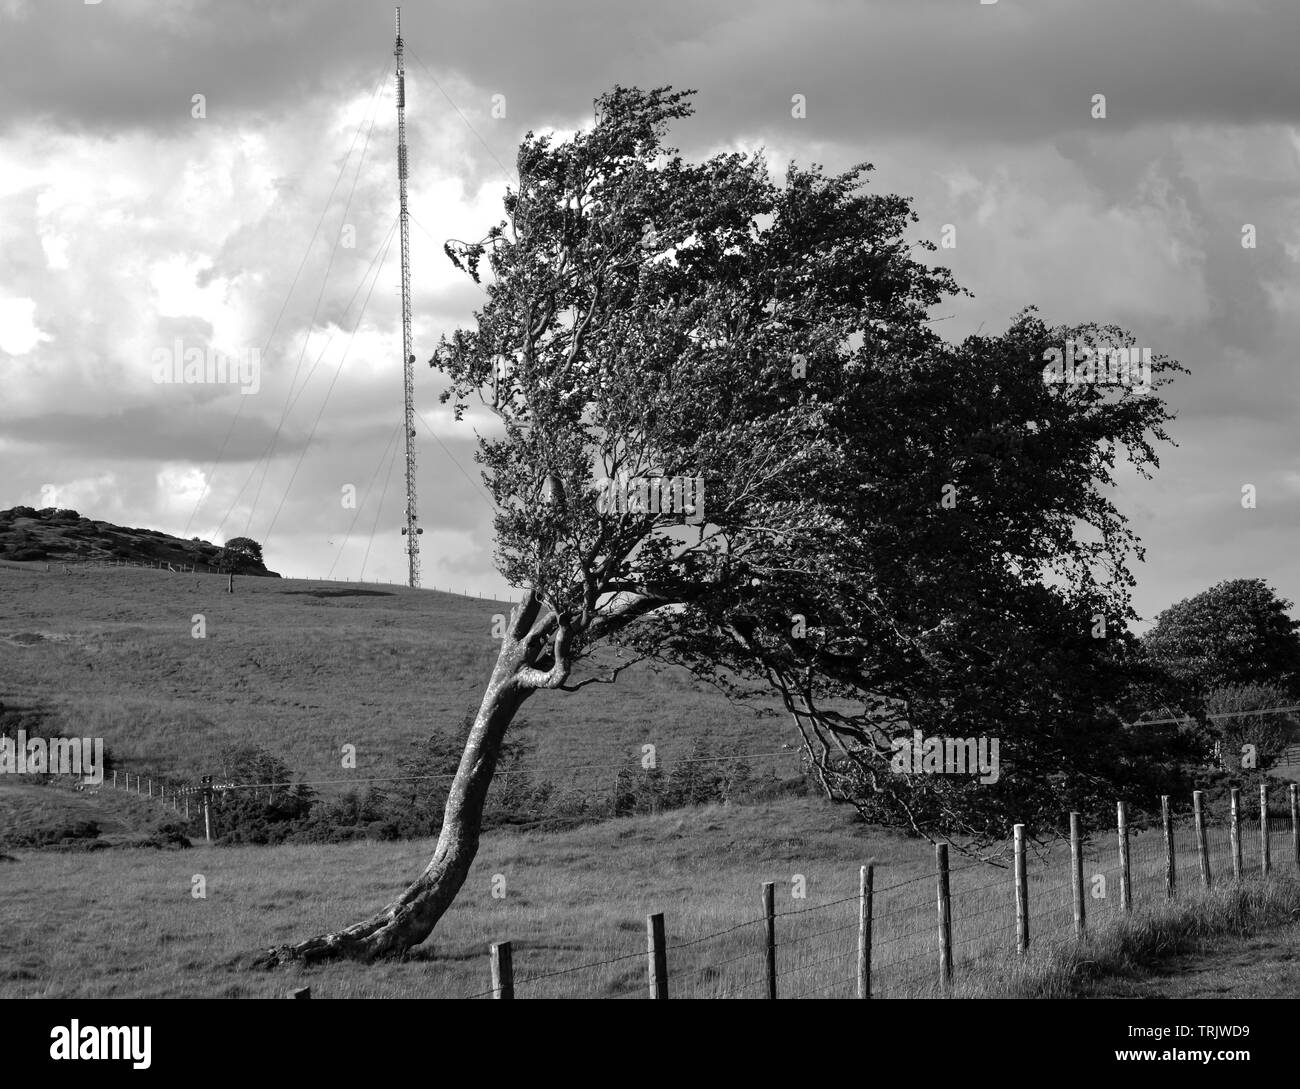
[
  {"x": 262, "y": 805},
  {"x": 54, "y": 534}
]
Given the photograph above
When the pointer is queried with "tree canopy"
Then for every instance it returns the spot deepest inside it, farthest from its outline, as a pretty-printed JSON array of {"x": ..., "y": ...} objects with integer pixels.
[
  {"x": 1237, "y": 632},
  {"x": 240, "y": 554},
  {"x": 896, "y": 533}
]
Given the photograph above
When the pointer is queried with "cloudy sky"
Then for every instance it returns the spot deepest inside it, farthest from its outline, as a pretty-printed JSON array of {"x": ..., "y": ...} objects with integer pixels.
[{"x": 253, "y": 221}]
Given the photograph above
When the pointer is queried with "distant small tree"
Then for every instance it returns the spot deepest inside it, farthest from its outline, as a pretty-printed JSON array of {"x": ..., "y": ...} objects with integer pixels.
[{"x": 240, "y": 554}]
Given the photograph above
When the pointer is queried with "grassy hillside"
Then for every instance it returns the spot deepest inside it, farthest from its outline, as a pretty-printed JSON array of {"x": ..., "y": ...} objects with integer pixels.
[
  {"x": 52, "y": 534},
  {"x": 36, "y": 815},
  {"x": 303, "y": 668}
]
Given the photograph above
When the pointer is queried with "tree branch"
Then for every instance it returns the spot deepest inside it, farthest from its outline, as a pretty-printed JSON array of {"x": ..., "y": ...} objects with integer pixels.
[
  {"x": 531, "y": 677},
  {"x": 604, "y": 680}
]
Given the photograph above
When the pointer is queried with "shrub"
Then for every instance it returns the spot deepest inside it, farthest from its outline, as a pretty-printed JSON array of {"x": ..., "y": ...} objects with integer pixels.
[{"x": 25, "y": 554}]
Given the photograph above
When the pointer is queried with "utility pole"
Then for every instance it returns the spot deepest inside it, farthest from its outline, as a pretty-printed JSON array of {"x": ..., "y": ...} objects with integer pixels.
[{"x": 411, "y": 530}]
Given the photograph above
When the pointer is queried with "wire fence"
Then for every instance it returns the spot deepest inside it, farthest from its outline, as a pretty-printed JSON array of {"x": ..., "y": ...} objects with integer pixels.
[
  {"x": 826, "y": 949},
  {"x": 891, "y": 939}
]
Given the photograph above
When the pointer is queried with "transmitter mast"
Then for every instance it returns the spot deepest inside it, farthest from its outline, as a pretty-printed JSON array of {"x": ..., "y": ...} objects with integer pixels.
[{"x": 411, "y": 530}]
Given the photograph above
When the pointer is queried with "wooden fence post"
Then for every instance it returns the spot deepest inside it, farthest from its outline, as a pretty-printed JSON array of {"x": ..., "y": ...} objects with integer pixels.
[
  {"x": 1171, "y": 873},
  {"x": 503, "y": 971},
  {"x": 1022, "y": 891},
  {"x": 1125, "y": 871},
  {"x": 151, "y": 788},
  {"x": 945, "y": 916},
  {"x": 1295, "y": 825},
  {"x": 114, "y": 780},
  {"x": 1076, "y": 876},
  {"x": 866, "y": 885},
  {"x": 656, "y": 955},
  {"x": 1234, "y": 830},
  {"x": 769, "y": 928},
  {"x": 207, "y": 807},
  {"x": 1202, "y": 850},
  {"x": 1265, "y": 861},
  {"x": 230, "y": 586}
]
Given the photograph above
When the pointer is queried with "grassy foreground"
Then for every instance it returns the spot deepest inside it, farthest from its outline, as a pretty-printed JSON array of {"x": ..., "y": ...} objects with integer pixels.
[
  {"x": 1132, "y": 958},
  {"x": 125, "y": 923}
]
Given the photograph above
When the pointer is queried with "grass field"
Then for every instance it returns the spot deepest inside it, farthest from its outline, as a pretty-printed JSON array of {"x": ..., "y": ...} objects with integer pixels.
[
  {"x": 302, "y": 668},
  {"x": 125, "y": 923}
]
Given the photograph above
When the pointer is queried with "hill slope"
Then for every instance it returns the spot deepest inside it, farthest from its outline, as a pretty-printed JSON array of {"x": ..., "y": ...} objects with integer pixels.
[
  {"x": 303, "y": 668},
  {"x": 34, "y": 816},
  {"x": 27, "y": 534}
]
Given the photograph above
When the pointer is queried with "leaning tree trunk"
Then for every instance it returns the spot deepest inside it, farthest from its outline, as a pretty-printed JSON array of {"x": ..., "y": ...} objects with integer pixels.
[{"x": 410, "y": 918}]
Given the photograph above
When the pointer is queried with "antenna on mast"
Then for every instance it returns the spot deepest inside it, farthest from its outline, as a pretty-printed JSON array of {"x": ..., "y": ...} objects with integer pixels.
[{"x": 411, "y": 530}]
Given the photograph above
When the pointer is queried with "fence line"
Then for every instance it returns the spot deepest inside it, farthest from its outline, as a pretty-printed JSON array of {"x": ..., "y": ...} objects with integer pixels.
[
  {"x": 1104, "y": 880},
  {"x": 884, "y": 935}
]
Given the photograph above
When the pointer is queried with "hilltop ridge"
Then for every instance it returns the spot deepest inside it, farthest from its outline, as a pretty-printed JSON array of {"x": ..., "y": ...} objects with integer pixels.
[{"x": 57, "y": 534}]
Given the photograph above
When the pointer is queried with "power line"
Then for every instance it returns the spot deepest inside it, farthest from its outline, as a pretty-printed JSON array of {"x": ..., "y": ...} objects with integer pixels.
[
  {"x": 357, "y": 513},
  {"x": 486, "y": 146},
  {"x": 311, "y": 325},
  {"x": 283, "y": 307},
  {"x": 378, "y": 257},
  {"x": 636, "y": 764},
  {"x": 477, "y": 487},
  {"x": 378, "y": 509},
  {"x": 541, "y": 769},
  {"x": 337, "y": 371}
]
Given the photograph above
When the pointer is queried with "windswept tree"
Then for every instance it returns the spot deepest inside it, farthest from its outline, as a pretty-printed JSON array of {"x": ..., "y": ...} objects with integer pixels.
[{"x": 731, "y": 439}]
